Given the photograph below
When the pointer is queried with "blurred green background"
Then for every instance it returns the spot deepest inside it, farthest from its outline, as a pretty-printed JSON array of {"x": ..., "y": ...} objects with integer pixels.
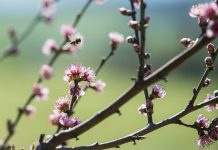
[{"x": 169, "y": 23}]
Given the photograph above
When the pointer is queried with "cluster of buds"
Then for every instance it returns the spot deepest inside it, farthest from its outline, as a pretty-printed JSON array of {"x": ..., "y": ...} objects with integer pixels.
[
  {"x": 209, "y": 60},
  {"x": 61, "y": 116},
  {"x": 211, "y": 106},
  {"x": 48, "y": 10},
  {"x": 207, "y": 131},
  {"x": 157, "y": 92},
  {"x": 207, "y": 16},
  {"x": 62, "y": 108},
  {"x": 74, "y": 41}
]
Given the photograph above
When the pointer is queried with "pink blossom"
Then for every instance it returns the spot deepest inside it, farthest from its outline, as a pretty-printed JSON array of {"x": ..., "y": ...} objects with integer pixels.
[
  {"x": 46, "y": 72},
  {"x": 89, "y": 75},
  {"x": 212, "y": 29},
  {"x": 204, "y": 141},
  {"x": 49, "y": 47},
  {"x": 202, "y": 121},
  {"x": 40, "y": 92},
  {"x": 68, "y": 122},
  {"x": 74, "y": 72},
  {"x": 48, "y": 10},
  {"x": 67, "y": 31},
  {"x": 98, "y": 86},
  {"x": 195, "y": 10},
  {"x": 30, "y": 111},
  {"x": 80, "y": 91},
  {"x": 204, "y": 11},
  {"x": 157, "y": 92},
  {"x": 62, "y": 104},
  {"x": 54, "y": 118},
  {"x": 212, "y": 106},
  {"x": 116, "y": 38}
]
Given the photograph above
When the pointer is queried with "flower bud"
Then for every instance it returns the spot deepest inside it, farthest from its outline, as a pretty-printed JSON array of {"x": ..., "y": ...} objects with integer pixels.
[
  {"x": 142, "y": 109},
  {"x": 136, "y": 47},
  {"x": 209, "y": 62},
  {"x": 147, "y": 55},
  {"x": 146, "y": 21},
  {"x": 185, "y": 41},
  {"x": 211, "y": 48},
  {"x": 207, "y": 82},
  {"x": 134, "y": 24},
  {"x": 131, "y": 39},
  {"x": 215, "y": 93},
  {"x": 125, "y": 12}
]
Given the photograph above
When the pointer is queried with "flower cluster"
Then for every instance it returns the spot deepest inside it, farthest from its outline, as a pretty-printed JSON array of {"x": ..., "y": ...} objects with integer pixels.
[
  {"x": 48, "y": 10},
  {"x": 61, "y": 116},
  {"x": 208, "y": 131},
  {"x": 79, "y": 73},
  {"x": 63, "y": 119},
  {"x": 71, "y": 36},
  {"x": 207, "y": 15},
  {"x": 212, "y": 106},
  {"x": 157, "y": 92}
]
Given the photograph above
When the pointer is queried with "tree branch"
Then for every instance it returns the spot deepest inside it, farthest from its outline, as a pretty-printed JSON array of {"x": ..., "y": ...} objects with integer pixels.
[
  {"x": 133, "y": 91},
  {"x": 150, "y": 128}
]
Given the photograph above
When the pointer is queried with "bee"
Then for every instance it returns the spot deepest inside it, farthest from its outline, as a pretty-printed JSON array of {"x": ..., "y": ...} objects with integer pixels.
[{"x": 76, "y": 41}]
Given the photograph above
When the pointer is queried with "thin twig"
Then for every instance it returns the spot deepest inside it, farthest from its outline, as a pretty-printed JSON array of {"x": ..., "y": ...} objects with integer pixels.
[
  {"x": 197, "y": 90},
  {"x": 130, "y": 93},
  {"x": 149, "y": 128},
  {"x": 80, "y": 14}
]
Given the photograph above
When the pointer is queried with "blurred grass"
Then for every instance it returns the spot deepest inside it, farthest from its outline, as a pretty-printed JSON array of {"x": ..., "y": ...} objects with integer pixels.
[{"x": 18, "y": 74}]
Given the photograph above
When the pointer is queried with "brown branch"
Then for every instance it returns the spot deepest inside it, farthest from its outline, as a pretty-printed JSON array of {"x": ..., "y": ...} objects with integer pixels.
[
  {"x": 150, "y": 128},
  {"x": 133, "y": 91}
]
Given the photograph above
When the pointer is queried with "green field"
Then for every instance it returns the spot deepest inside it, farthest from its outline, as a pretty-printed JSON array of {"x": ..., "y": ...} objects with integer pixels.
[{"x": 17, "y": 75}]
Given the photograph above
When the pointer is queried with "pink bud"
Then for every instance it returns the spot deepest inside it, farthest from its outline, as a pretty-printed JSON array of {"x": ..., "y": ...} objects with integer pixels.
[
  {"x": 185, "y": 41},
  {"x": 211, "y": 48}
]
